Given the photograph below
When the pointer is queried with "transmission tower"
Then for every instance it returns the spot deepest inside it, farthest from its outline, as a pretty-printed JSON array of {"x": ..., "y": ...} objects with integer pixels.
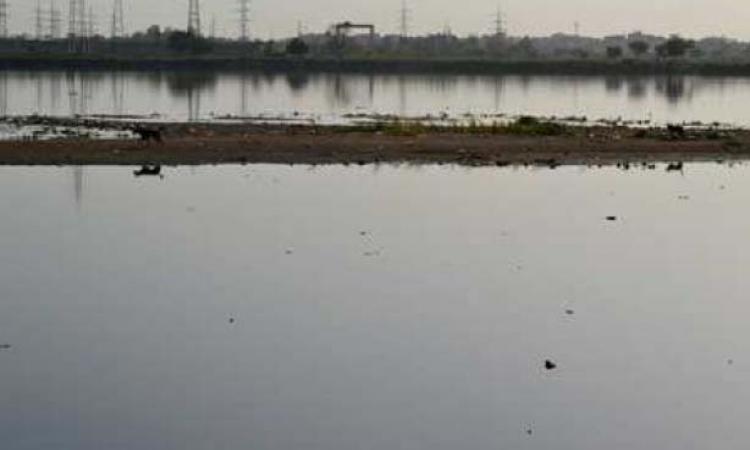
[
  {"x": 244, "y": 20},
  {"x": 118, "y": 20},
  {"x": 39, "y": 21},
  {"x": 79, "y": 26},
  {"x": 3, "y": 18},
  {"x": 499, "y": 23},
  {"x": 91, "y": 25},
  {"x": 55, "y": 22},
  {"x": 194, "y": 18},
  {"x": 405, "y": 15}
]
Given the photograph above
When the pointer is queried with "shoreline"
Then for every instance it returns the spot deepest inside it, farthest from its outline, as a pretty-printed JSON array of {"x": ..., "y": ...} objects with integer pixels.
[
  {"x": 206, "y": 143},
  {"x": 374, "y": 65}
]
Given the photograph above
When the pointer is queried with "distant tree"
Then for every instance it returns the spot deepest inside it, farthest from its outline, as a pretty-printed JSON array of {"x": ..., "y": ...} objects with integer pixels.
[
  {"x": 525, "y": 47},
  {"x": 297, "y": 47},
  {"x": 182, "y": 41},
  {"x": 674, "y": 47},
  {"x": 269, "y": 48},
  {"x": 154, "y": 32},
  {"x": 614, "y": 52},
  {"x": 639, "y": 48}
]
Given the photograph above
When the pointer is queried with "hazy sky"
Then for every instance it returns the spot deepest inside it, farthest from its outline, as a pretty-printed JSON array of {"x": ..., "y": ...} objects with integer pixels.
[{"x": 277, "y": 18}]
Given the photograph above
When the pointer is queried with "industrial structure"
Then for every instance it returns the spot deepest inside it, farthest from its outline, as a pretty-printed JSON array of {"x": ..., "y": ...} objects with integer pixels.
[{"x": 340, "y": 31}]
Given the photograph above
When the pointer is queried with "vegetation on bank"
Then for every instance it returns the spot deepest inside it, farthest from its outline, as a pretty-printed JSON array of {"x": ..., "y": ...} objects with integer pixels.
[{"x": 523, "y": 126}]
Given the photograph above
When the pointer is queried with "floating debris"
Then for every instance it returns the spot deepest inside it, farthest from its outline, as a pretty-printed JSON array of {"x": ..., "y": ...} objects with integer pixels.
[
  {"x": 232, "y": 320},
  {"x": 570, "y": 312},
  {"x": 289, "y": 251},
  {"x": 5, "y": 347},
  {"x": 612, "y": 218},
  {"x": 549, "y": 365}
]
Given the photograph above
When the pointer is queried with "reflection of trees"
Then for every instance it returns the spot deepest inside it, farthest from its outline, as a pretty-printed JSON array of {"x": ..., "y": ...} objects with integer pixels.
[
  {"x": 673, "y": 87},
  {"x": 337, "y": 86},
  {"x": 637, "y": 88},
  {"x": 181, "y": 84},
  {"x": 297, "y": 80},
  {"x": 191, "y": 85},
  {"x": 613, "y": 83}
]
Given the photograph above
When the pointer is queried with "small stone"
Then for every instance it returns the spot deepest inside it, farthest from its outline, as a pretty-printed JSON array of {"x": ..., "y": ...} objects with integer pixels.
[
  {"x": 549, "y": 365},
  {"x": 569, "y": 312},
  {"x": 232, "y": 320}
]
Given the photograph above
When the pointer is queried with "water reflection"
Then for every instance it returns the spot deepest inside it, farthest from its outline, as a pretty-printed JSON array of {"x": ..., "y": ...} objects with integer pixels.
[
  {"x": 200, "y": 94},
  {"x": 159, "y": 318}
]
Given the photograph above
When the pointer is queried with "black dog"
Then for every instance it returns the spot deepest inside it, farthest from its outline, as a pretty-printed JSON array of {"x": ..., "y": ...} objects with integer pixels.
[
  {"x": 676, "y": 131},
  {"x": 148, "y": 171},
  {"x": 149, "y": 134}
]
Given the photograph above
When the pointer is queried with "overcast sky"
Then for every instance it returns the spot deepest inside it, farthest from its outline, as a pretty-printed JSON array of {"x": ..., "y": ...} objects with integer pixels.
[{"x": 278, "y": 18}]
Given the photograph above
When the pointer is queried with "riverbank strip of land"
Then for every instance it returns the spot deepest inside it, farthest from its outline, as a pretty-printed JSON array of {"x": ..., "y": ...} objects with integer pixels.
[
  {"x": 375, "y": 65},
  {"x": 525, "y": 143}
]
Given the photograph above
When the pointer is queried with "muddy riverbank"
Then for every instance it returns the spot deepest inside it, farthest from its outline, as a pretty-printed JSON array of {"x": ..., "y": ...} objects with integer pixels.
[{"x": 539, "y": 145}]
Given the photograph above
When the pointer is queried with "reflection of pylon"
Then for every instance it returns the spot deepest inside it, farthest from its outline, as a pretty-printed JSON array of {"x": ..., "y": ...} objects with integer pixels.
[
  {"x": 194, "y": 18},
  {"x": 78, "y": 184}
]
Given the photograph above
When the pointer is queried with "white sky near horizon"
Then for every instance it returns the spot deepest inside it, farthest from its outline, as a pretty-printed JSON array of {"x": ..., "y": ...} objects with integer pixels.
[{"x": 279, "y": 18}]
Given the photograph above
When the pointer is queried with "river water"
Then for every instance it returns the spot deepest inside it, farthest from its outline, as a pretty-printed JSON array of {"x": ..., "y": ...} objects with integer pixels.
[
  {"x": 331, "y": 98},
  {"x": 382, "y": 307}
]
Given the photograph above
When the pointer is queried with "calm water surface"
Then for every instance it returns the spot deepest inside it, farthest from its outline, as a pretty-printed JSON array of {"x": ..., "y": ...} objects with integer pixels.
[
  {"x": 374, "y": 308},
  {"x": 328, "y": 98}
]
